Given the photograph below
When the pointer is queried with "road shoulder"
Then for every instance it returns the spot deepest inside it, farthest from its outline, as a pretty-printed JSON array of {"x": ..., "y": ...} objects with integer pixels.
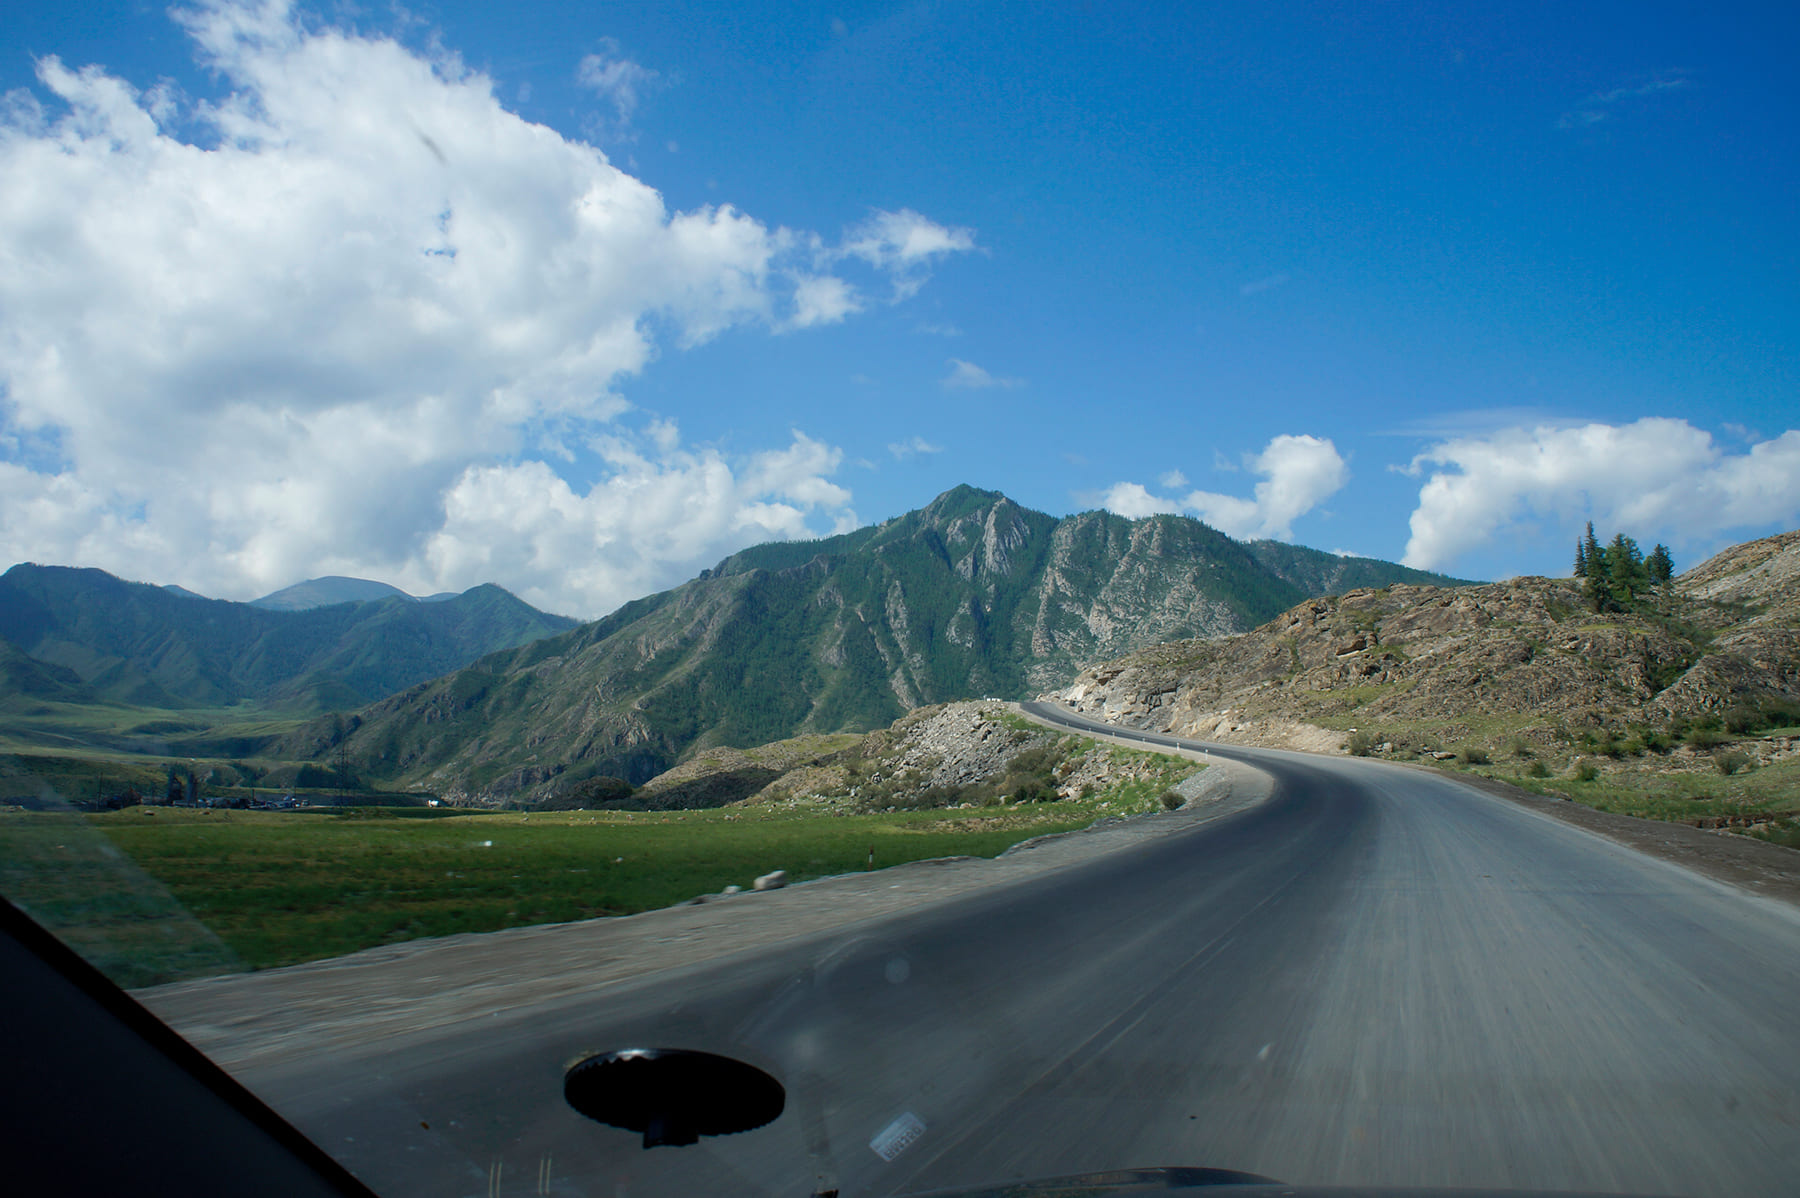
[{"x": 1764, "y": 869}]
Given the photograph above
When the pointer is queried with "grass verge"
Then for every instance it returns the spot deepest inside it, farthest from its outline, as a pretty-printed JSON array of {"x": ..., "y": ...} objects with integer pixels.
[{"x": 1763, "y": 802}]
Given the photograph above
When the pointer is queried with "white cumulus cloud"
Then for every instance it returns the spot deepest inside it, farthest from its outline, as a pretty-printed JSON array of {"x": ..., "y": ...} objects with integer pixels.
[
  {"x": 619, "y": 538},
  {"x": 1651, "y": 478},
  {"x": 317, "y": 325},
  {"x": 1298, "y": 471},
  {"x": 1133, "y": 501}
]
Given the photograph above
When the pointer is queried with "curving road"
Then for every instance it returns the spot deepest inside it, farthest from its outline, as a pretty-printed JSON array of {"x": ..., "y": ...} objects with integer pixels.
[{"x": 1377, "y": 976}]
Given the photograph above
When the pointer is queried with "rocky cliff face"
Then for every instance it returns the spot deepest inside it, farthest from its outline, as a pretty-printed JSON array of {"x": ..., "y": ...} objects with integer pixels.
[
  {"x": 970, "y": 596},
  {"x": 1521, "y": 657}
]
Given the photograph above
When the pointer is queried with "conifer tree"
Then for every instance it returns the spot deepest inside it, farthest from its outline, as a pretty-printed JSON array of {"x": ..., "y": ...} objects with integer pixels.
[
  {"x": 1597, "y": 586},
  {"x": 1659, "y": 565},
  {"x": 1624, "y": 566}
]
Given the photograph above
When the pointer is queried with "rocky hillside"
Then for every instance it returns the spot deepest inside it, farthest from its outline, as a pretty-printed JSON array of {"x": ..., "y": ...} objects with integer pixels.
[
  {"x": 971, "y": 596},
  {"x": 943, "y": 756},
  {"x": 1525, "y": 658}
]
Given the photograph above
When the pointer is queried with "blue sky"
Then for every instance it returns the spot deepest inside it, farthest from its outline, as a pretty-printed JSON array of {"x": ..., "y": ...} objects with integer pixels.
[{"x": 1415, "y": 281}]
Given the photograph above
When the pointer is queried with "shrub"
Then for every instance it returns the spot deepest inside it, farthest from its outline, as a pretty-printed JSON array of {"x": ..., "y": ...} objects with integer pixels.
[
  {"x": 1539, "y": 770},
  {"x": 1701, "y": 736},
  {"x": 1472, "y": 755},
  {"x": 1586, "y": 771},
  {"x": 932, "y": 797},
  {"x": 1754, "y": 717},
  {"x": 1743, "y": 718},
  {"x": 1519, "y": 748},
  {"x": 1030, "y": 776},
  {"x": 1171, "y": 800},
  {"x": 1730, "y": 761},
  {"x": 1361, "y": 744}
]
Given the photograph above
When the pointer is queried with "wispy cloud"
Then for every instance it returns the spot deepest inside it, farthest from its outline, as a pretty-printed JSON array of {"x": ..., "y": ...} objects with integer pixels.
[
  {"x": 1600, "y": 106},
  {"x": 967, "y": 374},
  {"x": 1469, "y": 422},
  {"x": 613, "y": 77},
  {"x": 822, "y": 299},
  {"x": 1280, "y": 278},
  {"x": 911, "y": 448},
  {"x": 905, "y": 245}
]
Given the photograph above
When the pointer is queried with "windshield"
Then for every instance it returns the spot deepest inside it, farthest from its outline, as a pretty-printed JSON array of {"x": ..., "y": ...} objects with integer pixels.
[{"x": 1044, "y": 576}]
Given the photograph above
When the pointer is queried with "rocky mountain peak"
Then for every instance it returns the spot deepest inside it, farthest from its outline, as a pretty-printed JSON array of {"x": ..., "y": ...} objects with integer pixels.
[{"x": 957, "y": 503}]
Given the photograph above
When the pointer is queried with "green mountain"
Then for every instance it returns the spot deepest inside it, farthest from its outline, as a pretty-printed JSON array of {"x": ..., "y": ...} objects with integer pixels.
[
  {"x": 132, "y": 643},
  {"x": 25, "y": 678},
  {"x": 323, "y": 592},
  {"x": 971, "y": 596}
]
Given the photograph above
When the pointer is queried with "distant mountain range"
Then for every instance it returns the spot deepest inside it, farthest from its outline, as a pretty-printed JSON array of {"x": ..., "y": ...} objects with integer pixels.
[
  {"x": 972, "y": 595},
  {"x": 80, "y": 635},
  {"x": 334, "y": 588}
]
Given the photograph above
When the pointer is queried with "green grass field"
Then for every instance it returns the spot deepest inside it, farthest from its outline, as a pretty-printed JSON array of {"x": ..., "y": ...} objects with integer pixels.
[{"x": 157, "y": 894}]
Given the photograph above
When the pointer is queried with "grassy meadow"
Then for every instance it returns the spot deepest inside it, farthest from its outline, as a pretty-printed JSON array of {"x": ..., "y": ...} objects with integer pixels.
[{"x": 158, "y": 894}]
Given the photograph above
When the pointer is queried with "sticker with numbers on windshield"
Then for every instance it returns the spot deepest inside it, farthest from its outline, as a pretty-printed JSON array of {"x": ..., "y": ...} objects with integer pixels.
[{"x": 897, "y": 1136}]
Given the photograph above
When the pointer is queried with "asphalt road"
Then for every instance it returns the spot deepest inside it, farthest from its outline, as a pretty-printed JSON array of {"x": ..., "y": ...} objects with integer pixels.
[{"x": 1377, "y": 976}]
